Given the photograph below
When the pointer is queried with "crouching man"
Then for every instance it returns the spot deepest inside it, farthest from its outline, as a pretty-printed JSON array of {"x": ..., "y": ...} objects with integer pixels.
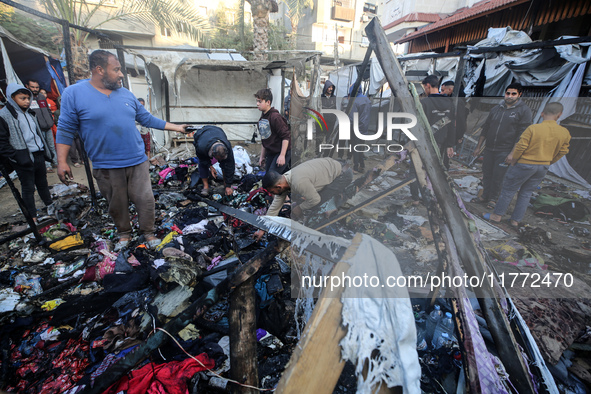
[
  {"x": 212, "y": 143},
  {"x": 311, "y": 184}
]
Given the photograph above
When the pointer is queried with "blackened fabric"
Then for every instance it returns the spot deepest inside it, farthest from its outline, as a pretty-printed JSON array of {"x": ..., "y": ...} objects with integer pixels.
[{"x": 190, "y": 216}]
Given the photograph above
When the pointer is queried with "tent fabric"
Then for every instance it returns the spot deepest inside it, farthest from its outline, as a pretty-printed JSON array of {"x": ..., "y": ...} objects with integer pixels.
[
  {"x": 11, "y": 76},
  {"x": 342, "y": 79},
  {"x": 30, "y": 62},
  {"x": 379, "y": 319}
]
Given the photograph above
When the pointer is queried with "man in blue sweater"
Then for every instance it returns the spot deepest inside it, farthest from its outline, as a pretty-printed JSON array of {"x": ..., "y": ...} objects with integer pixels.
[{"x": 103, "y": 114}]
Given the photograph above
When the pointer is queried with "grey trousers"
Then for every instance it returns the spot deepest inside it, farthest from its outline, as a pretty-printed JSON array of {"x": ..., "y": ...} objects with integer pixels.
[
  {"x": 522, "y": 179},
  {"x": 493, "y": 172},
  {"x": 121, "y": 185}
]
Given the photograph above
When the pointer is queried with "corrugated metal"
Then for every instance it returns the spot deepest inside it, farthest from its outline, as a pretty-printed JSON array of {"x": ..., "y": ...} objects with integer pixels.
[{"x": 492, "y": 13}]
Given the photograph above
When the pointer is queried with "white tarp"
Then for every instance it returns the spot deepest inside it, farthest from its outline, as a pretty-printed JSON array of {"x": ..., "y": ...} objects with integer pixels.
[
  {"x": 11, "y": 76},
  {"x": 342, "y": 79}
]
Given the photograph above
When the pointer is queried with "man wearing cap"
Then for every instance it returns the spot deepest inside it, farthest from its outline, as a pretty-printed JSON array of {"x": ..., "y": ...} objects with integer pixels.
[{"x": 212, "y": 143}]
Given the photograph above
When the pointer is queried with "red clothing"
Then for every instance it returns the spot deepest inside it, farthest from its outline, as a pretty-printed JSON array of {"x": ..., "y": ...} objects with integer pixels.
[{"x": 169, "y": 378}]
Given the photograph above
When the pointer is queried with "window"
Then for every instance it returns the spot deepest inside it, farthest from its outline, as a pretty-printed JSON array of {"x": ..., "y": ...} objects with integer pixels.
[
  {"x": 341, "y": 39},
  {"x": 371, "y": 8},
  {"x": 230, "y": 17},
  {"x": 165, "y": 31}
]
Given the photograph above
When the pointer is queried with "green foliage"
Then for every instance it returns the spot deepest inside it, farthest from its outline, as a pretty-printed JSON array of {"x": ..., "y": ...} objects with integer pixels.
[
  {"x": 31, "y": 31},
  {"x": 178, "y": 15},
  {"x": 228, "y": 35}
]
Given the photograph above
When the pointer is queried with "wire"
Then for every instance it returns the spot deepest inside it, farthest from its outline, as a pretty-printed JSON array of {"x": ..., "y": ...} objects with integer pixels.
[{"x": 208, "y": 369}]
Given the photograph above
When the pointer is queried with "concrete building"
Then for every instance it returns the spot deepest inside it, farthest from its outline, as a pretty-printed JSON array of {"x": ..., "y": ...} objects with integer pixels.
[
  {"x": 336, "y": 28},
  {"x": 401, "y": 17}
]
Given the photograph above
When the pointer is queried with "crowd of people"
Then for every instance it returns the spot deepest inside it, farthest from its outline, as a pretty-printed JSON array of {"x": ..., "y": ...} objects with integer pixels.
[{"x": 100, "y": 118}]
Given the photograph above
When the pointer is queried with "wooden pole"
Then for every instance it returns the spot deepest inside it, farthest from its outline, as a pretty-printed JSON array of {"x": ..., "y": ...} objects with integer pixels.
[
  {"x": 121, "y": 56},
  {"x": 470, "y": 256},
  {"x": 316, "y": 365},
  {"x": 68, "y": 51},
  {"x": 243, "y": 337}
]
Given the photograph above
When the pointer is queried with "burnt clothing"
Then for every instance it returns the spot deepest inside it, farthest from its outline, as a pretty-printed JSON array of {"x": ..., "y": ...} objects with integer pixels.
[
  {"x": 504, "y": 126},
  {"x": 203, "y": 140},
  {"x": 439, "y": 110},
  {"x": 279, "y": 131}
]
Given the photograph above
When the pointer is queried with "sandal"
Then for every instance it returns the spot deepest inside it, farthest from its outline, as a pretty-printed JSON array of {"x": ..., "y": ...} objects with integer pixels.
[
  {"x": 477, "y": 200},
  {"x": 122, "y": 244},
  {"x": 486, "y": 217},
  {"x": 153, "y": 243}
]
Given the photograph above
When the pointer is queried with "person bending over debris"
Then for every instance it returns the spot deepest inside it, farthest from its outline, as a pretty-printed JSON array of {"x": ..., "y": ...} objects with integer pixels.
[
  {"x": 275, "y": 135},
  {"x": 501, "y": 130},
  {"x": 312, "y": 183},
  {"x": 24, "y": 146},
  {"x": 539, "y": 146},
  {"x": 211, "y": 142},
  {"x": 103, "y": 114}
]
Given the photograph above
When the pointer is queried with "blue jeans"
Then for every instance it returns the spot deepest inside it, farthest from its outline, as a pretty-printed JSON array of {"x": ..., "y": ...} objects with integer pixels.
[
  {"x": 522, "y": 179},
  {"x": 493, "y": 173}
]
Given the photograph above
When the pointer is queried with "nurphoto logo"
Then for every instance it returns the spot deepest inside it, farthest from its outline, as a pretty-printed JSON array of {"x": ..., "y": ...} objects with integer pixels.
[{"x": 391, "y": 119}]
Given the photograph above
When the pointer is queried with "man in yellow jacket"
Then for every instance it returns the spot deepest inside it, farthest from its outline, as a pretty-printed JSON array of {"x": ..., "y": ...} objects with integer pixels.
[{"x": 540, "y": 146}]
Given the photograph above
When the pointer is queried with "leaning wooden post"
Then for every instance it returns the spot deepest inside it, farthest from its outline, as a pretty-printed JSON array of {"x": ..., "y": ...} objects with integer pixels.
[
  {"x": 243, "y": 337},
  {"x": 473, "y": 261}
]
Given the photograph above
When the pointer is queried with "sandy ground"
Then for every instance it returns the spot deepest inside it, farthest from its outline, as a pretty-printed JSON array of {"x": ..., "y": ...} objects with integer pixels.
[{"x": 9, "y": 209}]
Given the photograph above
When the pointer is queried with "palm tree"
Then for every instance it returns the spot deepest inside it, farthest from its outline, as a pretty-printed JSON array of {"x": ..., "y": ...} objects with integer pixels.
[
  {"x": 296, "y": 10},
  {"x": 177, "y": 15},
  {"x": 260, "y": 24}
]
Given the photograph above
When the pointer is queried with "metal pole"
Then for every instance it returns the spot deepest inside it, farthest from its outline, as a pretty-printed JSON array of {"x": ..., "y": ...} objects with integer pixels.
[
  {"x": 88, "y": 174},
  {"x": 21, "y": 204},
  {"x": 68, "y": 51},
  {"x": 121, "y": 56}
]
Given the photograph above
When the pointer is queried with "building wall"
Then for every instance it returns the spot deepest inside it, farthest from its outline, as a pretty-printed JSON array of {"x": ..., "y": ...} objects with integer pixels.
[{"x": 319, "y": 31}]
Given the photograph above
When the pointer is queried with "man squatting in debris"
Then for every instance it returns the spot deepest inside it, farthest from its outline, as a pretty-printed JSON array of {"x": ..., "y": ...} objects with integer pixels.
[
  {"x": 501, "y": 130},
  {"x": 313, "y": 183},
  {"x": 24, "y": 147},
  {"x": 211, "y": 142},
  {"x": 540, "y": 146},
  {"x": 103, "y": 114},
  {"x": 275, "y": 135}
]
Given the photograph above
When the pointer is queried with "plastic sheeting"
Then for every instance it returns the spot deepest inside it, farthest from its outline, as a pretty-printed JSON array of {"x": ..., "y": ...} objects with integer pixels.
[
  {"x": 379, "y": 319},
  {"x": 342, "y": 79}
]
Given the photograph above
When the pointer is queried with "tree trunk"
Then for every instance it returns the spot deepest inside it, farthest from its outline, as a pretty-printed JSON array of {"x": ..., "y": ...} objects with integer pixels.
[{"x": 260, "y": 22}]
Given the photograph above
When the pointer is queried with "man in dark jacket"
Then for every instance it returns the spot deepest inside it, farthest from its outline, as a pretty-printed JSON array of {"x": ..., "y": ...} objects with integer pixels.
[
  {"x": 42, "y": 111},
  {"x": 439, "y": 110},
  {"x": 275, "y": 135},
  {"x": 501, "y": 130},
  {"x": 361, "y": 106},
  {"x": 24, "y": 146},
  {"x": 211, "y": 142}
]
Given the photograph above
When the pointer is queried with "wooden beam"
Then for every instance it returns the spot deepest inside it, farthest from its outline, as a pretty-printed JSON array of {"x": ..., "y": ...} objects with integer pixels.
[
  {"x": 470, "y": 256},
  {"x": 316, "y": 365},
  {"x": 243, "y": 338}
]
